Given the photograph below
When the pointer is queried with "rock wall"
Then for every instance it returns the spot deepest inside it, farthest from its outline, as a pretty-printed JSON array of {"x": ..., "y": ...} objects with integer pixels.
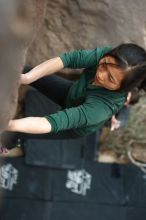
[
  {"x": 131, "y": 138},
  {"x": 74, "y": 24}
]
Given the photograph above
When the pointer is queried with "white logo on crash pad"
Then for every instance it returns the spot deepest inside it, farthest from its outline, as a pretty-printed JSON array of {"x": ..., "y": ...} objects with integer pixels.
[
  {"x": 8, "y": 176},
  {"x": 78, "y": 181}
]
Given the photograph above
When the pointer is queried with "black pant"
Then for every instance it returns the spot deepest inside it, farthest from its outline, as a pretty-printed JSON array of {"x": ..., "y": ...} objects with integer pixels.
[{"x": 54, "y": 88}]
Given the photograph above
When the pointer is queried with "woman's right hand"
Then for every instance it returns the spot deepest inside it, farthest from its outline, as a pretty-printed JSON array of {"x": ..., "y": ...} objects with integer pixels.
[
  {"x": 24, "y": 79},
  {"x": 115, "y": 124}
]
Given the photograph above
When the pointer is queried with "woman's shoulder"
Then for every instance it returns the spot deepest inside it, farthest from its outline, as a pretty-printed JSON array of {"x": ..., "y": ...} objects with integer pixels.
[
  {"x": 101, "y": 51},
  {"x": 113, "y": 99}
]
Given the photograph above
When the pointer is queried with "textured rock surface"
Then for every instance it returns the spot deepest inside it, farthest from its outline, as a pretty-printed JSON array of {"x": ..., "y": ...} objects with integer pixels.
[
  {"x": 74, "y": 24},
  {"x": 19, "y": 21},
  {"x": 130, "y": 138}
]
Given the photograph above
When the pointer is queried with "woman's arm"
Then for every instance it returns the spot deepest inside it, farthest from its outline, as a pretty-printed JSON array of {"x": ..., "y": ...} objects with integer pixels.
[
  {"x": 31, "y": 125},
  {"x": 46, "y": 68},
  {"x": 74, "y": 59}
]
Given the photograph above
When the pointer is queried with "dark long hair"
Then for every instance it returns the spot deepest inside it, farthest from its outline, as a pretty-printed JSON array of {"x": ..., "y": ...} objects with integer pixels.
[{"x": 131, "y": 58}]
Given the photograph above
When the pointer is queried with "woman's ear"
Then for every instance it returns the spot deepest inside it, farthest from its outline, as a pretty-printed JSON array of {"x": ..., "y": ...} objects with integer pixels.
[
  {"x": 106, "y": 59},
  {"x": 102, "y": 60}
]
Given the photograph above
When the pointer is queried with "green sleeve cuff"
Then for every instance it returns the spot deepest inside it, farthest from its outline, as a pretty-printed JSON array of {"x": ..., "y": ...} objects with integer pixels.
[
  {"x": 53, "y": 123},
  {"x": 64, "y": 60}
]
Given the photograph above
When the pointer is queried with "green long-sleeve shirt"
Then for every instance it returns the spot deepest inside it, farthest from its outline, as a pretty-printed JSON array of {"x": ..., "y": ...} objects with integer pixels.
[{"x": 87, "y": 106}]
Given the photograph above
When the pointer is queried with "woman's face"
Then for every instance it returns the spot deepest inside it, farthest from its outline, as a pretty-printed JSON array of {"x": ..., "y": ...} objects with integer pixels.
[{"x": 108, "y": 75}]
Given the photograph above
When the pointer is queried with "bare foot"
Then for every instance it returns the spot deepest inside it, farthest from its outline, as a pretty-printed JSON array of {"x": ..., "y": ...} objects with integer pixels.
[
  {"x": 14, "y": 152},
  {"x": 109, "y": 156}
]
